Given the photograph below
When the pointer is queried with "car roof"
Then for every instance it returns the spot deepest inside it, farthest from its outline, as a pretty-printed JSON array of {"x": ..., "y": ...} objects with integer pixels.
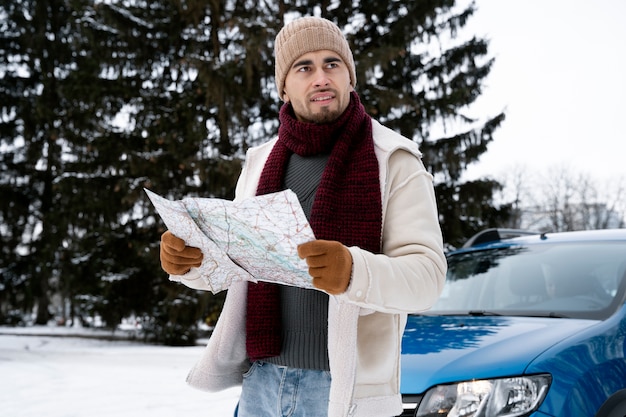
[{"x": 501, "y": 238}]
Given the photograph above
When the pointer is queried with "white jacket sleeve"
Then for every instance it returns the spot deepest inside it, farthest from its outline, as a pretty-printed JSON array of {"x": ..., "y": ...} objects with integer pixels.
[{"x": 409, "y": 276}]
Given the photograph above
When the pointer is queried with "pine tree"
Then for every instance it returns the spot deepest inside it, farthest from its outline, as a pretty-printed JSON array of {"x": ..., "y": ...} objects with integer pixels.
[
  {"x": 99, "y": 100},
  {"x": 419, "y": 76},
  {"x": 45, "y": 121},
  {"x": 76, "y": 223},
  {"x": 200, "y": 104}
]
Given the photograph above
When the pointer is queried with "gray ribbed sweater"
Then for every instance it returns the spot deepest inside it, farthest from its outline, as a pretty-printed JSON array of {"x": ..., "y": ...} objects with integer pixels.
[{"x": 304, "y": 312}]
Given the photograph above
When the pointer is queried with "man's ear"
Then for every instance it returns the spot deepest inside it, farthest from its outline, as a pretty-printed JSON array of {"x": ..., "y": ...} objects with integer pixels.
[{"x": 285, "y": 97}]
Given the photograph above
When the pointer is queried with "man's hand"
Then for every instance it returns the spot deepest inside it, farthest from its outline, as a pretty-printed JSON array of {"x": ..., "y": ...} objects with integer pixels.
[
  {"x": 330, "y": 264},
  {"x": 176, "y": 258}
]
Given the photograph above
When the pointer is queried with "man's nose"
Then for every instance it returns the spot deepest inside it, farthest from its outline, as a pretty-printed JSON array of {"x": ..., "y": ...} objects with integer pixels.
[{"x": 321, "y": 78}]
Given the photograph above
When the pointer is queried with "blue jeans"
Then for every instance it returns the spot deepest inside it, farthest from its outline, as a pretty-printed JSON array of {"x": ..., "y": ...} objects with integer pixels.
[{"x": 270, "y": 390}]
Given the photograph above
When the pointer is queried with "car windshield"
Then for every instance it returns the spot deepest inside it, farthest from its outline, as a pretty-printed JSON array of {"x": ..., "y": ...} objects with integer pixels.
[{"x": 579, "y": 280}]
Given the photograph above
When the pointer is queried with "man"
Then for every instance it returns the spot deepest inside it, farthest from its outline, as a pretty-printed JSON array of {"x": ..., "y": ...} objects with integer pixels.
[{"x": 378, "y": 253}]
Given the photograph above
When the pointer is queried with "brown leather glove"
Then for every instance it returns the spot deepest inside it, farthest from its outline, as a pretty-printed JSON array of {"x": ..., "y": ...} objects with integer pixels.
[
  {"x": 330, "y": 264},
  {"x": 176, "y": 258}
]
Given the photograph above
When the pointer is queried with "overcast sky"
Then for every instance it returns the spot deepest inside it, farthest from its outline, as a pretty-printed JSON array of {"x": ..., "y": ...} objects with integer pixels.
[{"x": 560, "y": 76}]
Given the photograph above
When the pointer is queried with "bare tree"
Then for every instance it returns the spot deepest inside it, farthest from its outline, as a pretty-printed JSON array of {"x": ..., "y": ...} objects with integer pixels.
[
  {"x": 561, "y": 199},
  {"x": 515, "y": 191}
]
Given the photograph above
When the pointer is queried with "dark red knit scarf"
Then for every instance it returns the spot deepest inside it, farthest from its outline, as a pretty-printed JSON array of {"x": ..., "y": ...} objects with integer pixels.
[{"x": 347, "y": 206}]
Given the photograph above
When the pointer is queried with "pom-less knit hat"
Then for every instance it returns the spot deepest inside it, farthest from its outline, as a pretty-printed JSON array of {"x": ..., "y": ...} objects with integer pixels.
[{"x": 309, "y": 34}]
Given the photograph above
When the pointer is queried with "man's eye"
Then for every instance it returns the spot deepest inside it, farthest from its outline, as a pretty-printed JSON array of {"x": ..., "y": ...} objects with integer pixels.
[{"x": 303, "y": 69}]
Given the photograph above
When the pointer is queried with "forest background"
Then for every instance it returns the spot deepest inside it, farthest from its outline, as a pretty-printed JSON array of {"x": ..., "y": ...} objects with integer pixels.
[{"x": 101, "y": 99}]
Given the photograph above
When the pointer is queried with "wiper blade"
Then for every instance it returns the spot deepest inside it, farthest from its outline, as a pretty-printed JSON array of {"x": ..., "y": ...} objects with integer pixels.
[
  {"x": 550, "y": 314},
  {"x": 482, "y": 313}
]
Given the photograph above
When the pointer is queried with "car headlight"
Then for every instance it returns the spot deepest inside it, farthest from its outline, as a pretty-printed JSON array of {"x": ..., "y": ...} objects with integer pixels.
[{"x": 502, "y": 397}]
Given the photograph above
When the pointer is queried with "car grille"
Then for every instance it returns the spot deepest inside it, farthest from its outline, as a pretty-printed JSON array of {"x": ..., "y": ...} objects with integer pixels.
[
  {"x": 410, "y": 403},
  {"x": 407, "y": 413}
]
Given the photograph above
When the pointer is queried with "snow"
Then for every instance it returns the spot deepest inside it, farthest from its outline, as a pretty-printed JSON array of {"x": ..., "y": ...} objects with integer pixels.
[{"x": 58, "y": 372}]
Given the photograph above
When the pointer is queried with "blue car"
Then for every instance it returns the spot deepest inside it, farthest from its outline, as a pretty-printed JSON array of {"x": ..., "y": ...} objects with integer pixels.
[{"x": 529, "y": 325}]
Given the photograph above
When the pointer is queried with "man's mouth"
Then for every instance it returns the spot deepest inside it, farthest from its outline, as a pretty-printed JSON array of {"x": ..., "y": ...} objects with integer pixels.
[{"x": 324, "y": 97}]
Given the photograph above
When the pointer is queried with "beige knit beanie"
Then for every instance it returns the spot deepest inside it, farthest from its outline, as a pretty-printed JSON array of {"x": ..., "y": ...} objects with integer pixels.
[{"x": 309, "y": 34}]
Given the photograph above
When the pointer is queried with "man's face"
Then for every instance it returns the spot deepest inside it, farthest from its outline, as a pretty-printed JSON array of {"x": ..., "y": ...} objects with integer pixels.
[{"x": 318, "y": 87}]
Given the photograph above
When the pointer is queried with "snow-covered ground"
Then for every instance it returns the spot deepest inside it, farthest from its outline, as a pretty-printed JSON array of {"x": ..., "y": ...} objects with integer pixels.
[{"x": 43, "y": 374}]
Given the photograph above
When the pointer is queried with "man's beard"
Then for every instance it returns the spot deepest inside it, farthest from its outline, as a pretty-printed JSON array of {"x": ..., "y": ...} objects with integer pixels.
[{"x": 326, "y": 115}]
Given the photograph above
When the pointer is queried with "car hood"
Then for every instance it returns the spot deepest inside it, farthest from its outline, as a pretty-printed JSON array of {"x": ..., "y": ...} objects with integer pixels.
[{"x": 444, "y": 349}]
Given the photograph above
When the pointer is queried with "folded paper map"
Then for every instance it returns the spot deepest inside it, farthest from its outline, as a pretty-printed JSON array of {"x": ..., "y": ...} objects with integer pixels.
[{"x": 254, "y": 239}]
